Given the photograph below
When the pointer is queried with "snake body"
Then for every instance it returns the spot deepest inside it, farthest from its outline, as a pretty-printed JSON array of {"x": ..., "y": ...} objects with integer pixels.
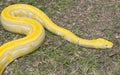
[{"x": 28, "y": 20}]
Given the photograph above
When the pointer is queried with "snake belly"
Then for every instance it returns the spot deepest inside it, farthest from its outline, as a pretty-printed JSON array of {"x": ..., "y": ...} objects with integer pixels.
[{"x": 28, "y": 20}]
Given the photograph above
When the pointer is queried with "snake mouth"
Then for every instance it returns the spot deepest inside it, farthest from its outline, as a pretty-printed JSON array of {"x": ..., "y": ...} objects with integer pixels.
[{"x": 110, "y": 46}]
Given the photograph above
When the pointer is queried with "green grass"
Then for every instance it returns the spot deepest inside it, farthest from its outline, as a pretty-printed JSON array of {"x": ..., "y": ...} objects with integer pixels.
[{"x": 59, "y": 57}]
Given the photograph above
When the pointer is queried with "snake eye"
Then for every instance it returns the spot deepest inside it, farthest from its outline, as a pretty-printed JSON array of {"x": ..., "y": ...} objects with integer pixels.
[{"x": 106, "y": 45}]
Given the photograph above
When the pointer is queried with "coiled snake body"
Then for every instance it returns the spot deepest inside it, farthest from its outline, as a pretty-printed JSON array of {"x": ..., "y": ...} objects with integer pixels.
[{"x": 28, "y": 20}]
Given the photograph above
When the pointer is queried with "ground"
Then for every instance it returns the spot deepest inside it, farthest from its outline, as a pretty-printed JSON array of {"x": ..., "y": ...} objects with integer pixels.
[{"x": 89, "y": 19}]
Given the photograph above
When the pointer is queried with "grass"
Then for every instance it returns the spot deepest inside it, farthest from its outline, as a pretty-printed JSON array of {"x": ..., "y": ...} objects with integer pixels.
[{"x": 87, "y": 19}]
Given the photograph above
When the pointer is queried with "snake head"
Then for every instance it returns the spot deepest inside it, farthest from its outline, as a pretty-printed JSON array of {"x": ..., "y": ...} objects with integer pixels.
[{"x": 102, "y": 43}]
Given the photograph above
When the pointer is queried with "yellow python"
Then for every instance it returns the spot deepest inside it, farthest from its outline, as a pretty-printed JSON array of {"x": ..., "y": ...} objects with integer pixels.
[{"x": 28, "y": 20}]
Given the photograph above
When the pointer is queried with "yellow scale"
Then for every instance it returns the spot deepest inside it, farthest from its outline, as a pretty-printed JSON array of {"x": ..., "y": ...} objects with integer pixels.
[{"x": 28, "y": 20}]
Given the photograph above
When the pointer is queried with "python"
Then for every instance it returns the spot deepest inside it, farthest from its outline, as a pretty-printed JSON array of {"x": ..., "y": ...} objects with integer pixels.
[{"x": 31, "y": 21}]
